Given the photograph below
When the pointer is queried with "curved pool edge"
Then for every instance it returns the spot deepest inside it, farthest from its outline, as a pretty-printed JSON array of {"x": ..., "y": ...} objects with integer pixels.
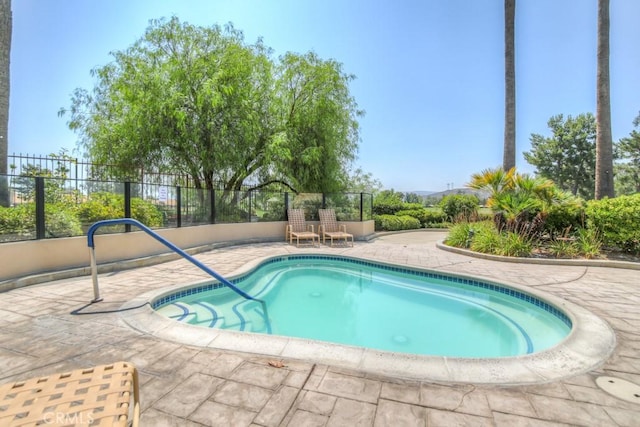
[{"x": 589, "y": 345}]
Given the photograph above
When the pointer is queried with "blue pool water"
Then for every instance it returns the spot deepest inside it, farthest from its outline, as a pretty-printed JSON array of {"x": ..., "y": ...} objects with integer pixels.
[{"x": 355, "y": 302}]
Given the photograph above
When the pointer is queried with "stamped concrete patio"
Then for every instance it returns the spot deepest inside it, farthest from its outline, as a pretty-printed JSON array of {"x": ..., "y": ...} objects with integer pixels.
[{"x": 187, "y": 385}]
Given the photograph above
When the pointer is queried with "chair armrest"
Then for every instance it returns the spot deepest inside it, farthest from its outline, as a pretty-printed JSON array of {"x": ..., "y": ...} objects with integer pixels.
[
  {"x": 343, "y": 228},
  {"x": 320, "y": 229}
]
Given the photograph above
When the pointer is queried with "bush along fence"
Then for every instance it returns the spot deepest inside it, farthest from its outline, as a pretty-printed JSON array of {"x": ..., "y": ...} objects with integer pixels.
[{"x": 46, "y": 207}]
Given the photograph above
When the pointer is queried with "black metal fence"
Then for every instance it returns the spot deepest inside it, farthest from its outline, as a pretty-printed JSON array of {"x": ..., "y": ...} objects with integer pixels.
[
  {"x": 74, "y": 169},
  {"x": 48, "y": 207}
]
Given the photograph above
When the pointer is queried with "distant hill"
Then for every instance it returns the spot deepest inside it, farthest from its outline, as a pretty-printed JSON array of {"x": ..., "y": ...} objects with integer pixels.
[
  {"x": 422, "y": 193},
  {"x": 482, "y": 195}
]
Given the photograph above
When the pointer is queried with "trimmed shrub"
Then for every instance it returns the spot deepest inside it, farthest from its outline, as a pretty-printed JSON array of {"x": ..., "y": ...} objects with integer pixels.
[
  {"x": 459, "y": 207},
  {"x": 17, "y": 221},
  {"x": 427, "y": 217},
  {"x": 388, "y": 203},
  {"x": 395, "y": 222},
  {"x": 566, "y": 216},
  {"x": 61, "y": 222},
  {"x": 617, "y": 221},
  {"x": 109, "y": 206}
]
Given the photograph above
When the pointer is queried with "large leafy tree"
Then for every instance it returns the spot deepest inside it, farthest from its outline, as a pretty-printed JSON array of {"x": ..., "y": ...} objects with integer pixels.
[
  {"x": 628, "y": 165},
  {"x": 201, "y": 101},
  {"x": 568, "y": 156},
  {"x": 604, "y": 143},
  {"x": 509, "y": 154},
  {"x": 317, "y": 131},
  {"x": 5, "y": 49}
]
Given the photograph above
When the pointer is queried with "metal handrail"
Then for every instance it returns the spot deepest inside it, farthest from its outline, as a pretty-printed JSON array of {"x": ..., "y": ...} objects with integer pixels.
[{"x": 221, "y": 279}]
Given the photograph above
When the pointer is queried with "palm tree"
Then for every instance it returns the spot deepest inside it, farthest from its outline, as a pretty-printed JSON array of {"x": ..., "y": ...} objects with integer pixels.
[
  {"x": 509, "y": 154},
  {"x": 604, "y": 143},
  {"x": 520, "y": 203},
  {"x": 5, "y": 49}
]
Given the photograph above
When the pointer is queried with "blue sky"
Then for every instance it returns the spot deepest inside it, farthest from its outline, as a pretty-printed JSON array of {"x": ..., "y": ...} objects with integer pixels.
[{"x": 430, "y": 73}]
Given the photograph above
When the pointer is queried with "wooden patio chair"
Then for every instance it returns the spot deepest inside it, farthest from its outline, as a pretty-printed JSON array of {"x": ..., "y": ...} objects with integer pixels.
[
  {"x": 299, "y": 229},
  {"x": 330, "y": 228}
]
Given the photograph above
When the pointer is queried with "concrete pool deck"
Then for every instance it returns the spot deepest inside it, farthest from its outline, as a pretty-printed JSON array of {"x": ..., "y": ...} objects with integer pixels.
[{"x": 192, "y": 385}]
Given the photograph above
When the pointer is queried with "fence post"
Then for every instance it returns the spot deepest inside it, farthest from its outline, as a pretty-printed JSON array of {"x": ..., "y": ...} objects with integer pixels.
[
  {"x": 212, "y": 203},
  {"x": 286, "y": 204},
  {"x": 249, "y": 213},
  {"x": 127, "y": 205},
  {"x": 40, "y": 223},
  {"x": 178, "y": 207},
  {"x": 361, "y": 207},
  {"x": 324, "y": 201}
]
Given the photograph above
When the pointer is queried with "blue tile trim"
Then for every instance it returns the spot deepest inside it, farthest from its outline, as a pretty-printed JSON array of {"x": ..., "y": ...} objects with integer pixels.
[{"x": 419, "y": 273}]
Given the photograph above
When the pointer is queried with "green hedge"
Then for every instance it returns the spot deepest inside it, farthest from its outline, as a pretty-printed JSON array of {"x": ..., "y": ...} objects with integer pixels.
[
  {"x": 60, "y": 221},
  {"x": 459, "y": 207},
  {"x": 18, "y": 221},
  {"x": 617, "y": 220},
  {"x": 427, "y": 217},
  {"x": 109, "y": 206},
  {"x": 395, "y": 222}
]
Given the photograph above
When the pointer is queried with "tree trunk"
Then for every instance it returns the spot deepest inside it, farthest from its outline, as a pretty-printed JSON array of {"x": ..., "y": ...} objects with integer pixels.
[
  {"x": 509, "y": 155},
  {"x": 5, "y": 49},
  {"x": 604, "y": 143}
]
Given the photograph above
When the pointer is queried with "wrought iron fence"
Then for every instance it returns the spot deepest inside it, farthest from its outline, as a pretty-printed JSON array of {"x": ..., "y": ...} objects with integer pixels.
[
  {"x": 48, "y": 207},
  {"x": 68, "y": 167}
]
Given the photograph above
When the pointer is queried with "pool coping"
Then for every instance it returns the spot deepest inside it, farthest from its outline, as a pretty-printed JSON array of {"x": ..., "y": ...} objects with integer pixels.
[{"x": 588, "y": 345}]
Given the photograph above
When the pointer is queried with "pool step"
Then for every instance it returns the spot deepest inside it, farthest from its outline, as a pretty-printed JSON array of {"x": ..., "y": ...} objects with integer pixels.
[
  {"x": 245, "y": 316},
  {"x": 198, "y": 313}
]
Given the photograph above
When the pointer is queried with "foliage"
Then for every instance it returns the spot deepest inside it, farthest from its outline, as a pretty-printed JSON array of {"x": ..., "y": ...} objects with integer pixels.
[
  {"x": 561, "y": 217},
  {"x": 427, "y": 216},
  {"x": 388, "y": 202},
  {"x": 395, "y": 222},
  {"x": 563, "y": 248},
  {"x": 627, "y": 168},
  {"x": 18, "y": 220},
  {"x": 460, "y": 235},
  {"x": 459, "y": 207},
  {"x": 413, "y": 198},
  {"x": 201, "y": 101},
  {"x": 103, "y": 206},
  {"x": 617, "y": 221},
  {"x": 54, "y": 181},
  {"x": 589, "y": 242},
  {"x": 484, "y": 238},
  {"x": 363, "y": 182},
  {"x": 520, "y": 202},
  {"x": 569, "y": 156},
  {"x": 60, "y": 221},
  {"x": 514, "y": 244}
]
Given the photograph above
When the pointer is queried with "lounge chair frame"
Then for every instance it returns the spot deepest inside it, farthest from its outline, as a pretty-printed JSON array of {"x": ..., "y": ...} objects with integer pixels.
[
  {"x": 299, "y": 229},
  {"x": 330, "y": 228}
]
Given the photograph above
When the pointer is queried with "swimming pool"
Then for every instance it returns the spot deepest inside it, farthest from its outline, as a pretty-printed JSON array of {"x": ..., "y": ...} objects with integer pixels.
[{"x": 378, "y": 306}]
